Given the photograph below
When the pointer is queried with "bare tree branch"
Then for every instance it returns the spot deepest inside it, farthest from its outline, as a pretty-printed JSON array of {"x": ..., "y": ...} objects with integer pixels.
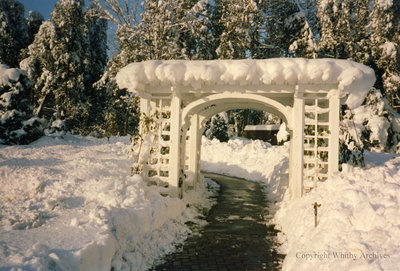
[{"x": 120, "y": 12}]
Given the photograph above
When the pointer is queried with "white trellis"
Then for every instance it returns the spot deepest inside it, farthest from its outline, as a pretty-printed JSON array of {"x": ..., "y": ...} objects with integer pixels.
[{"x": 306, "y": 94}]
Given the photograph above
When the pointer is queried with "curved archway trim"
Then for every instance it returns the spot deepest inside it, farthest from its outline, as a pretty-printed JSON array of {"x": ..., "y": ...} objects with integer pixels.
[{"x": 225, "y": 101}]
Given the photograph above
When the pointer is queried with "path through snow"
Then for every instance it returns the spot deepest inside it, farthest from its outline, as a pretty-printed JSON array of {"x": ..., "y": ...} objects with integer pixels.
[{"x": 236, "y": 237}]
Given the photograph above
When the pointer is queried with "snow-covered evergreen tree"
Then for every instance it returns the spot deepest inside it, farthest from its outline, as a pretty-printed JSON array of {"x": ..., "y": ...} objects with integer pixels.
[
  {"x": 64, "y": 61},
  {"x": 18, "y": 124},
  {"x": 120, "y": 108},
  {"x": 373, "y": 126},
  {"x": 96, "y": 63},
  {"x": 237, "y": 24},
  {"x": 34, "y": 21},
  {"x": 13, "y": 32},
  {"x": 40, "y": 66},
  {"x": 282, "y": 27},
  {"x": 385, "y": 44},
  {"x": 171, "y": 29},
  {"x": 198, "y": 29},
  {"x": 344, "y": 32},
  {"x": 97, "y": 38},
  {"x": 217, "y": 128},
  {"x": 304, "y": 28},
  {"x": 70, "y": 53}
]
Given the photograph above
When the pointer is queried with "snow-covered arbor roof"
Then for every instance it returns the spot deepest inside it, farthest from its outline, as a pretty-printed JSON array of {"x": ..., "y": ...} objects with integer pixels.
[{"x": 353, "y": 79}]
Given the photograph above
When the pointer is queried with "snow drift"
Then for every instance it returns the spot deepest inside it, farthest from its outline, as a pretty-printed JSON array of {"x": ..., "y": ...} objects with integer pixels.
[
  {"x": 359, "y": 218},
  {"x": 70, "y": 204}
]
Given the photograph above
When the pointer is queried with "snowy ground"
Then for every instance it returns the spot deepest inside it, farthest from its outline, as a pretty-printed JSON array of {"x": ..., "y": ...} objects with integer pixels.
[
  {"x": 359, "y": 220},
  {"x": 359, "y": 217},
  {"x": 72, "y": 204}
]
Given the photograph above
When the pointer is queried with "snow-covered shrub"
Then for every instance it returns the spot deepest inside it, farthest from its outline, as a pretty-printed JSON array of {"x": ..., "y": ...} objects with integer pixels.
[
  {"x": 218, "y": 128},
  {"x": 57, "y": 127},
  {"x": 373, "y": 126},
  {"x": 18, "y": 125},
  {"x": 283, "y": 135}
]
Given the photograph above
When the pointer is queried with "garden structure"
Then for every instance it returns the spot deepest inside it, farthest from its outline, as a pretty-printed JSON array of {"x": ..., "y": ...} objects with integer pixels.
[{"x": 306, "y": 94}]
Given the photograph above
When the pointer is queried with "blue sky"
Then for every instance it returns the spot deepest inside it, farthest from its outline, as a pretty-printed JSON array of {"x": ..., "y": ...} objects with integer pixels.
[{"x": 45, "y": 7}]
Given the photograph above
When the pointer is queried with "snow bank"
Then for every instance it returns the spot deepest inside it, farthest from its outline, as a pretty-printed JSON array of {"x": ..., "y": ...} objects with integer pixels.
[
  {"x": 353, "y": 79},
  {"x": 253, "y": 160},
  {"x": 359, "y": 220},
  {"x": 70, "y": 204}
]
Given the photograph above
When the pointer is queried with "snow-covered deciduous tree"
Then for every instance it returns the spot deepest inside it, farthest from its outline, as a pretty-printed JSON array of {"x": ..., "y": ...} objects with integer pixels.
[
  {"x": 159, "y": 30},
  {"x": 18, "y": 124},
  {"x": 385, "y": 44},
  {"x": 13, "y": 32},
  {"x": 154, "y": 30}
]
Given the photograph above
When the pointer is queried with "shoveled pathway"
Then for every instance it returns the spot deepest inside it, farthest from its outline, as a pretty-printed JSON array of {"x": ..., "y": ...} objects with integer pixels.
[{"x": 236, "y": 236}]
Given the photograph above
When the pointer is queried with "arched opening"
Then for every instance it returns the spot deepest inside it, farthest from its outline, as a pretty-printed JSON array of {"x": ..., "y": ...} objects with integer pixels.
[
  {"x": 196, "y": 114},
  {"x": 210, "y": 105}
]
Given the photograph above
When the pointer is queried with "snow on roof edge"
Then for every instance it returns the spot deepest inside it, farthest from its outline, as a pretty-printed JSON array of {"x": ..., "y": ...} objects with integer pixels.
[{"x": 354, "y": 80}]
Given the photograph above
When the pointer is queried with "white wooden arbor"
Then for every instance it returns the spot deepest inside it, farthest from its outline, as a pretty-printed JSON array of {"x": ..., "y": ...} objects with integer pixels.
[{"x": 306, "y": 94}]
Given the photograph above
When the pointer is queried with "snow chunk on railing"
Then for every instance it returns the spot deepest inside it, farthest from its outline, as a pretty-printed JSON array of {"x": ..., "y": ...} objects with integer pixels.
[{"x": 353, "y": 79}]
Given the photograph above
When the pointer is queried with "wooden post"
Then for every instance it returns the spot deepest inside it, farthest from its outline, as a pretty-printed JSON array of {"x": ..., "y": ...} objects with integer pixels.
[
  {"x": 175, "y": 181},
  {"x": 334, "y": 119},
  {"x": 297, "y": 146},
  {"x": 194, "y": 147},
  {"x": 145, "y": 108}
]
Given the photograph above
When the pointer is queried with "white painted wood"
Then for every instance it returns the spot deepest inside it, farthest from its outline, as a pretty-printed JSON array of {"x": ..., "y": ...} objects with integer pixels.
[
  {"x": 145, "y": 105},
  {"x": 334, "y": 122},
  {"x": 297, "y": 146},
  {"x": 193, "y": 106},
  {"x": 194, "y": 147},
  {"x": 175, "y": 147},
  {"x": 227, "y": 97}
]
